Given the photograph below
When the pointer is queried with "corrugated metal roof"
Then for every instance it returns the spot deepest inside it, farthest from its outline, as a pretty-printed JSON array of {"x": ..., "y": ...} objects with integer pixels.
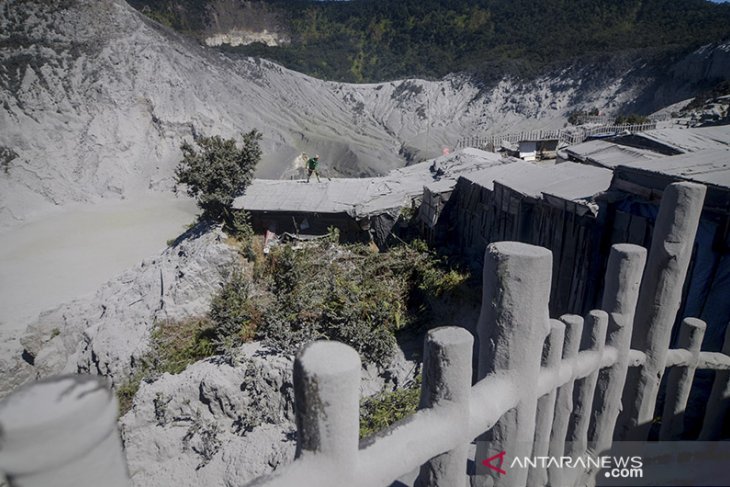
[
  {"x": 608, "y": 154},
  {"x": 366, "y": 196},
  {"x": 707, "y": 166},
  {"x": 568, "y": 180},
  {"x": 692, "y": 139}
]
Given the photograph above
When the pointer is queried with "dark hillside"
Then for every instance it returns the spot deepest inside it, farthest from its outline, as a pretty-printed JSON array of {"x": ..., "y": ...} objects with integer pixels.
[{"x": 375, "y": 40}]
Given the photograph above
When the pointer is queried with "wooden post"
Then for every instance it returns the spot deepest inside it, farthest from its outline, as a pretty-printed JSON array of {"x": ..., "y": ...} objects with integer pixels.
[
  {"x": 659, "y": 300},
  {"x": 718, "y": 405},
  {"x": 62, "y": 432},
  {"x": 594, "y": 338},
  {"x": 447, "y": 382},
  {"x": 327, "y": 403},
  {"x": 564, "y": 401},
  {"x": 551, "y": 355},
  {"x": 679, "y": 382},
  {"x": 511, "y": 330},
  {"x": 620, "y": 294}
]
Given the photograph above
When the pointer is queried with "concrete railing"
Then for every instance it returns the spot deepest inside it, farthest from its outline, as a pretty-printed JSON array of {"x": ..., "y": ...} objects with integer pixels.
[{"x": 542, "y": 387}]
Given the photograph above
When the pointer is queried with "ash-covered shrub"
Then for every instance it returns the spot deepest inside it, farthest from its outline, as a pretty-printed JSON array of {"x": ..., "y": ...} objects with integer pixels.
[
  {"x": 382, "y": 410},
  {"x": 328, "y": 291}
]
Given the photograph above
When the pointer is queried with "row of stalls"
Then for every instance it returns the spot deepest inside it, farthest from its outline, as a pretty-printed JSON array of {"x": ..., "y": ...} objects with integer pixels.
[
  {"x": 599, "y": 193},
  {"x": 362, "y": 209},
  {"x": 548, "y": 206}
]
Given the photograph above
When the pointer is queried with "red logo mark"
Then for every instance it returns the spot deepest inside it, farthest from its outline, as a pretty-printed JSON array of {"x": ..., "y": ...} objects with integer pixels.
[{"x": 496, "y": 468}]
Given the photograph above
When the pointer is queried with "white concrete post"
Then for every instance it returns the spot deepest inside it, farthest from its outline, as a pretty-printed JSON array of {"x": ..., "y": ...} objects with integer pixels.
[
  {"x": 551, "y": 356},
  {"x": 594, "y": 338},
  {"x": 659, "y": 299},
  {"x": 679, "y": 381},
  {"x": 718, "y": 405},
  {"x": 564, "y": 401},
  {"x": 447, "y": 383},
  {"x": 620, "y": 294},
  {"x": 62, "y": 432},
  {"x": 327, "y": 404},
  {"x": 511, "y": 330}
]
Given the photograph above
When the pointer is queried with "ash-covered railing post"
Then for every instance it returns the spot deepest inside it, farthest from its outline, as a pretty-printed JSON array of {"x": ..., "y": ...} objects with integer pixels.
[
  {"x": 659, "y": 300},
  {"x": 552, "y": 353},
  {"x": 718, "y": 404},
  {"x": 564, "y": 401},
  {"x": 327, "y": 405},
  {"x": 620, "y": 295},
  {"x": 593, "y": 340},
  {"x": 511, "y": 330},
  {"x": 62, "y": 432},
  {"x": 447, "y": 384},
  {"x": 679, "y": 382}
]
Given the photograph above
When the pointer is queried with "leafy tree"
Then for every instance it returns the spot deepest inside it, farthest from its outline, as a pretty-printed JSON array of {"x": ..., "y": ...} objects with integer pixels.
[{"x": 217, "y": 171}]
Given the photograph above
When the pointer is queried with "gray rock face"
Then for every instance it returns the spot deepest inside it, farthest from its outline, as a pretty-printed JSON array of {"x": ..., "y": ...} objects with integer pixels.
[
  {"x": 221, "y": 424},
  {"x": 213, "y": 424},
  {"x": 108, "y": 332}
]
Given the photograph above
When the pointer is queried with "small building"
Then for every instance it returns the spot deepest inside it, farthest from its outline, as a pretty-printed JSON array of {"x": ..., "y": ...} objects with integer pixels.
[
  {"x": 363, "y": 209},
  {"x": 550, "y": 206},
  {"x": 530, "y": 149},
  {"x": 637, "y": 188},
  {"x": 527, "y": 150}
]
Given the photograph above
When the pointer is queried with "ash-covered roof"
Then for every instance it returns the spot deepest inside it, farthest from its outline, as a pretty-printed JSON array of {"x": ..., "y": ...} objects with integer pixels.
[
  {"x": 363, "y": 197},
  {"x": 711, "y": 167},
  {"x": 608, "y": 154},
  {"x": 568, "y": 180},
  {"x": 691, "y": 140}
]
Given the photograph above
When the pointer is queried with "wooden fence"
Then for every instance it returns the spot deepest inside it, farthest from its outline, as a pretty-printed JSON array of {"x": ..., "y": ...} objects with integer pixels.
[
  {"x": 542, "y": 386},
  {"x": 570, "y": 136}
]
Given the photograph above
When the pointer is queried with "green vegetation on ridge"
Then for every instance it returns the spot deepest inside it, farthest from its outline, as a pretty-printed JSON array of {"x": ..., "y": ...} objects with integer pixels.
[
  {"x": 376, "y": 40},
  {"x": 321, "y": 290}
]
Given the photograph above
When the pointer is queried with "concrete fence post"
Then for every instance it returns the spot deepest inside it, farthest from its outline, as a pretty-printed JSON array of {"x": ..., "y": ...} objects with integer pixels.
[
  {"x": 594, "y": 339},
  {"x": 551, "y": 356},
  {"x": 679, "y": 381},
  {"x": 564, "y": 401},
  {"x": 447, "y": 382},
  {"x": 62, "y": 432},
  {"x": 659, "y": 300},
  {"x": 327, "y": 404},
  {"x": 511, "y": 330},
  {"x": 620, "y": 295},
  {"x": 718, "y": 405}
]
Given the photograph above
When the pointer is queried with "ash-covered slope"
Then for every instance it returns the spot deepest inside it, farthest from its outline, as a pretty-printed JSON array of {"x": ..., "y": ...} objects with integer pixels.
[{"x": 95, "y": 100}]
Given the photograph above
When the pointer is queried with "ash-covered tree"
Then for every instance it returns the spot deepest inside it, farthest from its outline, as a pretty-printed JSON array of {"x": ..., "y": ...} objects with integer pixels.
[{"x": 217, "y": 171}]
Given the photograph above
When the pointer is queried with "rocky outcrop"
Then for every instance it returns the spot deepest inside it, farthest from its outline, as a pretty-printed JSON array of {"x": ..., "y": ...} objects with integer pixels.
[
  {"x": 214, "y": 423},
  {"x": 222, "y": 424},
  {"x": 107, "y": 333},
  {"x": 237, "y": 23}
]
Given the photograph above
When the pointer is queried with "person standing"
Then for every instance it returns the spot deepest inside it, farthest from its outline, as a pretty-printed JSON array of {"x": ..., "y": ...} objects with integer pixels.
[{"x": 312, "y": 164}]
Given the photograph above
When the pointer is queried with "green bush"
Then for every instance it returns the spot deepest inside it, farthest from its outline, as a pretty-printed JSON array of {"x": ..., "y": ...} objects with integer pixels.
[
  {"x": 234, "y": 315},
  {"x": 218, "y": 171},
  {"x": 350, "y": 294},
  {"x": 175, "y": 345},
  {"x": 380, "y": 411},
  {"x": 632, "y": 119}
]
